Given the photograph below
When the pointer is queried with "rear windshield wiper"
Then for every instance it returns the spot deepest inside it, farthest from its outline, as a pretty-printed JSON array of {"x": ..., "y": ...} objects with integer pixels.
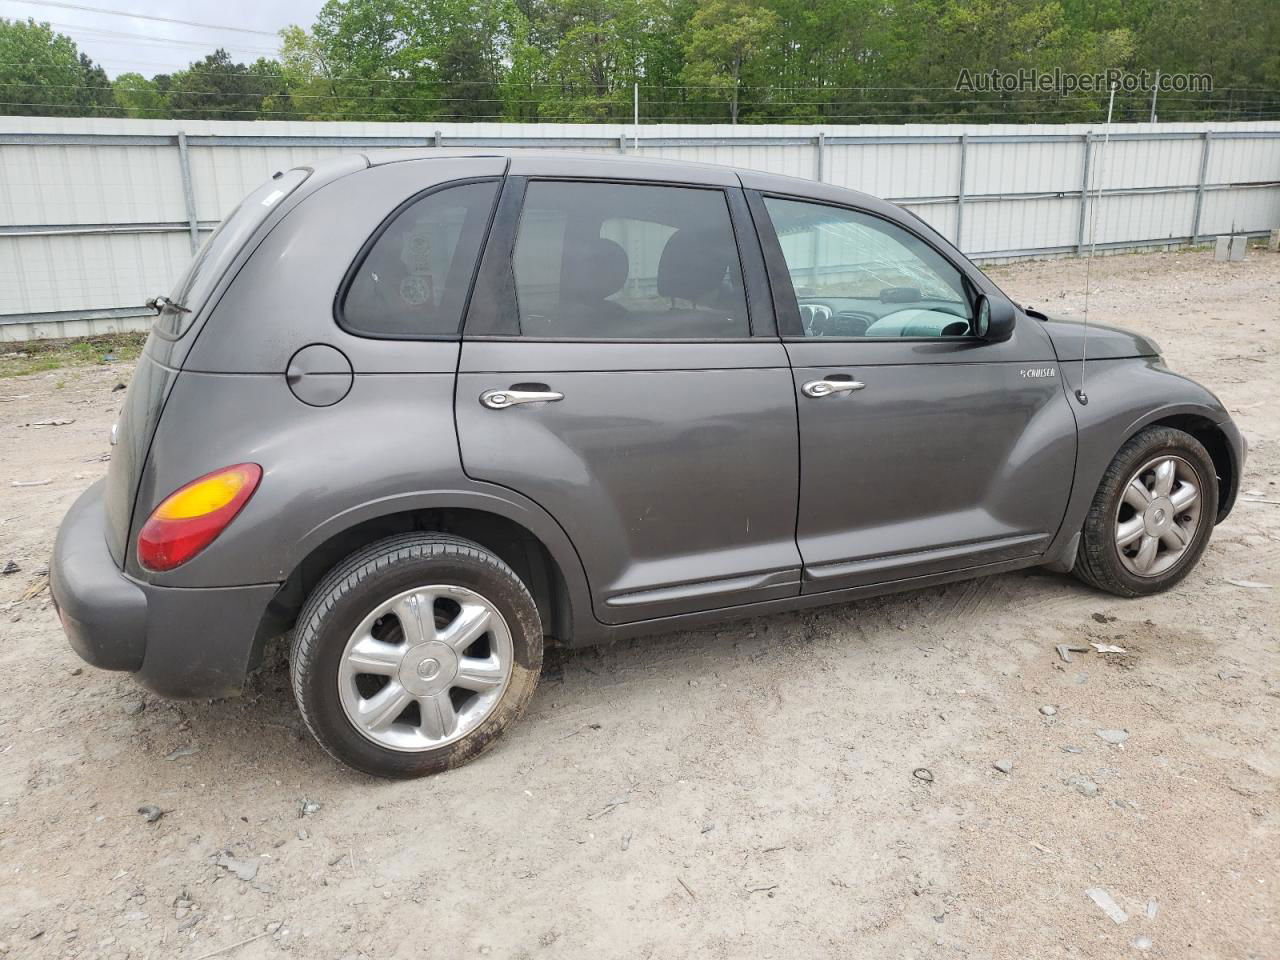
[{"x": 161, "y": 304}]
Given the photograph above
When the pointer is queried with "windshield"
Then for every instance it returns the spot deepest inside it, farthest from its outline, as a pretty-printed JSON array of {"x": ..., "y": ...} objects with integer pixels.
[{"x": 211, "y": 260}]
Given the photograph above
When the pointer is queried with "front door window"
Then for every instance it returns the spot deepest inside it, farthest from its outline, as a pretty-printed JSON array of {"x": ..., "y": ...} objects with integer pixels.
[{"x": 856, "y": 275}]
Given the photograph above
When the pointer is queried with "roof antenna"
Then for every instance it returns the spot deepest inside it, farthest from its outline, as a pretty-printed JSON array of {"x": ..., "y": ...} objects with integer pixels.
[{"x": 1093, "y": 239}]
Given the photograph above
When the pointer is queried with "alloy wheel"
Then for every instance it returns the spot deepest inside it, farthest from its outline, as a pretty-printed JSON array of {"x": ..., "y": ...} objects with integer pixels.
[
  {"x": 1158, "y": 516},
  {"x": 425, "y": 668}
]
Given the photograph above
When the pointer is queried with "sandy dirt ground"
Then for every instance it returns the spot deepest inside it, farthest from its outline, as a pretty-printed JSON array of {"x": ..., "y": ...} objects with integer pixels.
[{"x": 742, "y": 791}]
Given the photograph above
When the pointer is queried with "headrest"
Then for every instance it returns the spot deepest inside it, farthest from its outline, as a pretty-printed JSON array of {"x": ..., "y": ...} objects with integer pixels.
[
  {"x": 693, "y": 263},
  {"x": 600, "y": 271}
]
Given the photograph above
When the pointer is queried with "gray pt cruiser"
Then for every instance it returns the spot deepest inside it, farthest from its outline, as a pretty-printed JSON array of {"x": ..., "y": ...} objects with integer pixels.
[{"x": 428, "y": 412}]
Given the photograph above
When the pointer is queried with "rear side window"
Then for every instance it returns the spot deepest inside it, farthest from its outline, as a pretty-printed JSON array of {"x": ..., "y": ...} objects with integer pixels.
[
  {"x": 212, "y": 259},
  {"x": 627, "y": 261},
  {"x": 412, "y": 281}
]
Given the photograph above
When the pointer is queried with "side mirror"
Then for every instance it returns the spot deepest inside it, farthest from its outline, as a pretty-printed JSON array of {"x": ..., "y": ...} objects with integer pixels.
[{"x": 994, "y": 322}]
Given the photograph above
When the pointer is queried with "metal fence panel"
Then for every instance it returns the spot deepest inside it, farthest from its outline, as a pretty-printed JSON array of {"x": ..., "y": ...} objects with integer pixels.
[
  {"x": 90, "y": 272},
  {"x": 98, "y": 214},
  {"x": 1240, "y": 211}
]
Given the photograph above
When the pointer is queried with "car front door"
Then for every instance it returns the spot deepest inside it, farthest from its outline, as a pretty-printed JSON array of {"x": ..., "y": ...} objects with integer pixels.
[
  {"x": 612, "y": 372},
  {"x": 925, "y": 449}
]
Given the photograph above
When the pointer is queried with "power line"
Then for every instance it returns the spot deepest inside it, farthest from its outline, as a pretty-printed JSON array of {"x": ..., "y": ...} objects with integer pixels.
[
  {"x": 103, "y": 35},
  {"x": 1267, "y": 113},
  {"x": 1030, "y": 99},
  {"x": 380, "y": 98},
  {"x": 625, "y": 89},
  {"x": 159, "y": 45},
  {"x": 569, "y": 89},
  {"x": 144, "y": 16}
]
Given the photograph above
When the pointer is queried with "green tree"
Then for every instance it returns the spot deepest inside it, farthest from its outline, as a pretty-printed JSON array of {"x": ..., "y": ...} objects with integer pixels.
[
  {"x": 216, "y": 88},
  {"x": 455, "y": 51},
  {"x": 139, "y": 97},
  {"x": 742, "y": 60},
  {"x": 42, "y": 73},
  {"x": 521, "y": 87},
  {"x": 94, "y": 97},
  {"x": 1237, "y": 43},
  {"x": 356, "y": 43},
  {"x": 268, "y": 82},
  {"x": 724, "y": 38}
]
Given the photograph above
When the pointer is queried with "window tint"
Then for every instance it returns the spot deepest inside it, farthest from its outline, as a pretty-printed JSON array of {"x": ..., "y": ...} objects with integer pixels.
[
  {"x": 856, "y": 275},
  {"x": 414, "y": 280},
  {"x": 626, "y": 261}
]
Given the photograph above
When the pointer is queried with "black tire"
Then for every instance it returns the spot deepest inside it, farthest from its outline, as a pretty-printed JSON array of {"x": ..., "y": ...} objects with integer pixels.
[
  {"x": 1098, "y": 560},
  {"x": 357, "y": 586}
]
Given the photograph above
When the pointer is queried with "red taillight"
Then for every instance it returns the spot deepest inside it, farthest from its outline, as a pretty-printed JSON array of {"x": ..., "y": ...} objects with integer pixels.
[{"x": 191, "y": 517}]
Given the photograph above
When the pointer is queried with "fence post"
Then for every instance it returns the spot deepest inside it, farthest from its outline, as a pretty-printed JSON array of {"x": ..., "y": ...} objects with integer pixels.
[
  {"x": 622, "y": 143},
  {"x": 1084, "y": 192},
  {"x": 438, "y": 139},
  {"x": 188, "y": 190},
  {"x": 964, "y": 149},
  {"x": 821, "y": 145},
  {"x": 1204, "y": 172}
]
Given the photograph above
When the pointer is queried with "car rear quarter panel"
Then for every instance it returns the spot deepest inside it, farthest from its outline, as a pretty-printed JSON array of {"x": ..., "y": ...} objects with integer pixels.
[
  {"x": 162, "y": 358},
  {"x": 387, "y": 447}
]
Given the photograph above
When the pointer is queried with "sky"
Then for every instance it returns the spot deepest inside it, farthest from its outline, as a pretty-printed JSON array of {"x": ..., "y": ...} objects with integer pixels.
[{"x": 130, "y": 44}]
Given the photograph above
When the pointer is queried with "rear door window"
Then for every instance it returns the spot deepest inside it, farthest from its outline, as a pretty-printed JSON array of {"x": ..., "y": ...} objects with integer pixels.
[
  {"x": 627, "y": 262},
  {"x": 412, "y": 282},
  {"x": 213, "y": 258}
]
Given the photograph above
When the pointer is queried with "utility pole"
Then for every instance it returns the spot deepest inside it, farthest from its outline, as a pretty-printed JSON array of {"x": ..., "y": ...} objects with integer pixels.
[
  {"x": 635, "y": 115},
  {"x": 1154, "y": 90}
]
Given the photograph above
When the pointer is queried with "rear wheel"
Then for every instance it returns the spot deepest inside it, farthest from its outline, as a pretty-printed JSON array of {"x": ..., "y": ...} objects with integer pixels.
[
  {"x": 1151, "y": 518},
  {"x": 414, "y": 654}
]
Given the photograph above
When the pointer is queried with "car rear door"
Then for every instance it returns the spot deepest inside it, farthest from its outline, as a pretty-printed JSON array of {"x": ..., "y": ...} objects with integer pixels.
[
  {"x": 924, "y": 448},
  {"x": 620, "y": 367}
]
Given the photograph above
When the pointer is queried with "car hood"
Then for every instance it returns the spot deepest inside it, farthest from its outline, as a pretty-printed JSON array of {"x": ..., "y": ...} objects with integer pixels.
[{"x": 1104, "y": 342}]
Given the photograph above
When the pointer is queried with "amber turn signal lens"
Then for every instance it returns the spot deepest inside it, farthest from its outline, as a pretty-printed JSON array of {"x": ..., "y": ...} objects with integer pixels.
[{"x": 190, "y": 518}]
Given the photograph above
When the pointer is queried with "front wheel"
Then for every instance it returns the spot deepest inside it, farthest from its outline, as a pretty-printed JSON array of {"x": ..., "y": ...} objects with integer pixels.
[
  {"x": 414, "y": 654},
  {"x": 1151, "y": 518}
]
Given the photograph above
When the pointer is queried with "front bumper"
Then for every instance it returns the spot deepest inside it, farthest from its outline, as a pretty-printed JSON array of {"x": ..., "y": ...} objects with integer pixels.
[
  {"x": 1238, "y": 449},
  {"x": 180, "y": 642}
]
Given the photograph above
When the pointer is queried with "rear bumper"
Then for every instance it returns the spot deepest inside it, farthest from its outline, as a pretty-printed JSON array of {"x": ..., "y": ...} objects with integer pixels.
[{"x": 180, "y": 642}]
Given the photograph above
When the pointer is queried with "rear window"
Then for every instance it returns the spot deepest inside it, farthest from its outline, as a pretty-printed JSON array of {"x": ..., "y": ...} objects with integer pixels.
[{"x": 213, "y": 258}]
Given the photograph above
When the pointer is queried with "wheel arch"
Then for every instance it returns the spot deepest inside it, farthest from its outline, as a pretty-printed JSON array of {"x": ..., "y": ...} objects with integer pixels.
[
  {"x": 533, "y": 545},
  {"x": 1102, "y": 432},
  {"x": 1212, "y": 436}
]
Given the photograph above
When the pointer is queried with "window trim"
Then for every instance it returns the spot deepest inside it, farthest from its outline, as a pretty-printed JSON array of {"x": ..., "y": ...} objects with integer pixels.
[
  {"x": 786, "y": 302},
  {"x": 366, "y": 248},
  {"x": 498, "y": 274}
]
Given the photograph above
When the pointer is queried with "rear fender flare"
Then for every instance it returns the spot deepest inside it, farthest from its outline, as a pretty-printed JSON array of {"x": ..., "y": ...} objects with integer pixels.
[{"x": 503, "y": 503}]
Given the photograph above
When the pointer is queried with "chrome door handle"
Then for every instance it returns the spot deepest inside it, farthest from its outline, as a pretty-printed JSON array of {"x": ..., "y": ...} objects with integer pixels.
[
  {"x": 827, "y": 388},
  {"x": 501, "y": 399}
]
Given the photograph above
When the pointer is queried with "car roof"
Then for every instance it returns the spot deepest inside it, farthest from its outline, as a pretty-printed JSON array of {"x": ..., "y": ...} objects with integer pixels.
[{"x": 555, "y": 163}]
